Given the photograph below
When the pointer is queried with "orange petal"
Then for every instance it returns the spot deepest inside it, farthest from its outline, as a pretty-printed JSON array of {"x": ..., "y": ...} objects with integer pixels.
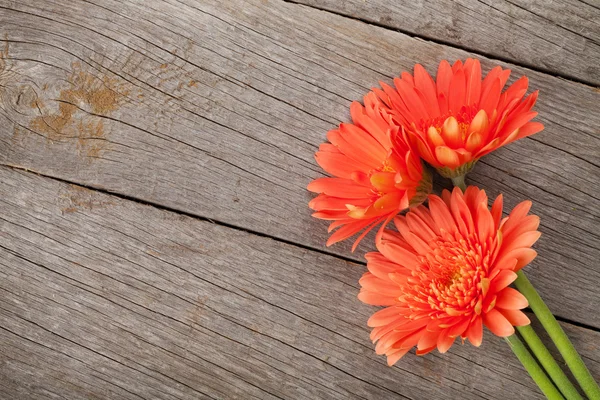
[
  {"x": 475, "y": 332},
  {"x": 473, "y": 76},
  {"x": 523, "y": 256},
  {"x": 347, "y": 230},
  {"x": 529, "y": 129},
  {"x": 447, "y": 157},
  {"x": 429, "y": 339},
  {"x": 443, "y": 79},
  {"x": 399, "y": 254},
  {"x": 441, "y": 214},
  {"x": 515, "y": 317},
  {"x": 384, "y": 317},
  {"x": 420, "y": 227},
  {"x": 485, "y": 222},
  {"x": 526, "y": 239},
  {"x": 339, "y": 187},
  {"x": 497, "y": 323},
  {"x": 451, "y": 133},
  {"x": 393, "y": 358},
  {"x": 380, "y": 266},
  {"x": 385, "y": 287},
  {"x": 457, "y": 93},
  {"x": 491, "y": 146},
  {"x": 360, "y": 118},
  {"x": 497, "y": 211},
  {"x": 502, "y": 280},
  {"x": 511, "y": 299},
  {"x": 474, "y": 141},
  {"x": 425, "y": 351},
  {"x": 479, "y": 123},
  {"x": 459, "y": 328},
  {"x": 490, "y": 96},
  {"x": 444, "y": 341},
  {"x": 362, "y": 235},
  {"x": 376, "y": 299},
  {"x": 338, "y": 164},
  {"x": 425, "y": 84},
  {"x": 384, "y": 181},
  {"x": 434, "y": 137}
]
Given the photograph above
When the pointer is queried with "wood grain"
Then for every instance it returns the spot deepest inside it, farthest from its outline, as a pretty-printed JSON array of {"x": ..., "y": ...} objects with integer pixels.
[
  {"x": 558, "y": 37},
  {"x": 216, "y": 108},
  {"x": 102, "y": 297}
]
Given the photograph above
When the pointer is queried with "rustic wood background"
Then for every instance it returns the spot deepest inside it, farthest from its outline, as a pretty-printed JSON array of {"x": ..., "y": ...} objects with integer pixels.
[{"x": 155, "y": 240}]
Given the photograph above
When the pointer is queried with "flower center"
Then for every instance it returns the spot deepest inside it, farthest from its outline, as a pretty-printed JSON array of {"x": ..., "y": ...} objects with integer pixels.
[
  {"x": 448, "y": 279},
  {"x": 464, "y": 117}
]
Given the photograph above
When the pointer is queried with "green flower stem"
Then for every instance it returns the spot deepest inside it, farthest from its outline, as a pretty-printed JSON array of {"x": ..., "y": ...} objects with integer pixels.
[
  {"x": 534, "y": 369},
  {"x": 558, "y": 336},
  {"x": 545, "y": 358},
  {"x": 460, "y": 182}
]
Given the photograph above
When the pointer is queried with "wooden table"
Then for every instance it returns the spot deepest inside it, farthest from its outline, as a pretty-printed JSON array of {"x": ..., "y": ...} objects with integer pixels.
[{"x": 155, "y": 240}]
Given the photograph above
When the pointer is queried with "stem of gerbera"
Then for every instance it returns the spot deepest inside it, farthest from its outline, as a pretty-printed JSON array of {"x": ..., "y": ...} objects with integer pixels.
[
  {"x": 535, "y": 371},
  {"x": 558, "y": 336},
  {"x": 550, "y": 365},
  {"x": 460, "y": 182}
]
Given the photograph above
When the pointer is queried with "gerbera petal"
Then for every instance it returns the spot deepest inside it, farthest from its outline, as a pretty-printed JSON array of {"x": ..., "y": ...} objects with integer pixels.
[
  {"x": 393, "y": 358},
  {"x": 420, "y": 227},
  {"x": 446, "y": 156},
  {"x": 441, "y": 214},
  {"x": 497, "y": 323},
  {"x": 339, "y": 187},
  {"x": 380, "y": 266},
  {"x": 497, "y": 211},
  {"x": 384, "y": 317},
  {"x": 429, "y": 339},
  {"x": 511, "y": 299},
  {"x": 425, "y": 215},
  {"x": 425, "y": 351},
  {"x": 473, "y": 75},
  {"x": 515, "y": 317},
  {"x": 444, "y": 77},
  {"x": 360, "y": 118},
  {"x": 529, "y": 129},
  {"x": 526, "y": 239},
  {"x": 485, "y": 222},
  {"x": 385, "y": 287},
  {"x": 376, "y": 299},
  {"x": 445, "y": 341},
  {"x": 425, "y": 84},
  {"x": 452, "y": 133},
  {"x": 348, "y": 230},
  {"x": 490, "y": 96},
  {"x": 457, "y": 90},
  {"x": 475, "y": 332},
  {"x": 339, "y": 164},
  {"x": 503, "y": 279},
  {"x": 399, "y": 254}
]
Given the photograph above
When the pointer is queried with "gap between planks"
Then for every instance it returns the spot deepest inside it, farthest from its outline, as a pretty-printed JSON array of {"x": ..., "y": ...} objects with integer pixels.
[
  {"x": 473, "y": 50},
  {"x": 237, "y": 228}
]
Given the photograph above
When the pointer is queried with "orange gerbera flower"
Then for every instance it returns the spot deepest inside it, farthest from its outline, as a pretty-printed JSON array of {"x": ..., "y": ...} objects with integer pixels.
[
  {"x": 376, "y": 173},
  {"x": 446, "y": 272},
  {"x": 459, "y": 118}
]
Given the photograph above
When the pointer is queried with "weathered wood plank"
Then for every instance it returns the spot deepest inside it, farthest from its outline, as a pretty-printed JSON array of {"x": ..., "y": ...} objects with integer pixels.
[
  {"x": 102, "y": 297},
  {"x": 560, "y": 37},
  {"x": 216, "y": 108}
]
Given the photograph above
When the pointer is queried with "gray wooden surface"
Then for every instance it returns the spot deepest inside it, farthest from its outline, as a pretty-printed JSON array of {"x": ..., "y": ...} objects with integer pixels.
[
  {"x": 204, "y": 275},
  {"x": 558, "y": 37}
]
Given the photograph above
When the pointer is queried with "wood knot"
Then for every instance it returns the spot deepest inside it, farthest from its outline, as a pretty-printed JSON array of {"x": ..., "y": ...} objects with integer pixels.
[{"x": 78, "y": 111}]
